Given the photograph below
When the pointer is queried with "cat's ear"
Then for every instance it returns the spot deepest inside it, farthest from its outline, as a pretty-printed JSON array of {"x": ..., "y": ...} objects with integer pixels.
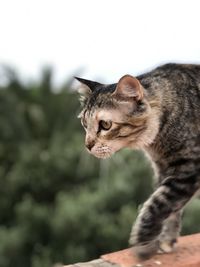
[
  {"x": 91, "y": 85},
  {"x": 128, "y": 87},
  {"x": 86, "y": 88}
]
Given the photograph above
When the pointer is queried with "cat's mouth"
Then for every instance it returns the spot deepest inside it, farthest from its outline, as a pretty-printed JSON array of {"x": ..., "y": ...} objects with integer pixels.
[{"x": 102, "y": 152}]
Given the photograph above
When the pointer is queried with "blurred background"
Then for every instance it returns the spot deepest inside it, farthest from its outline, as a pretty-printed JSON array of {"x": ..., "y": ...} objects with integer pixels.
[{"x": 58, "y": 204}]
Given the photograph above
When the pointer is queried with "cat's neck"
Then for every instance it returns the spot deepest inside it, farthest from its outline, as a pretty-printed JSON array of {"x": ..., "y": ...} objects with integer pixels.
[{"x": 154, "y": 96}]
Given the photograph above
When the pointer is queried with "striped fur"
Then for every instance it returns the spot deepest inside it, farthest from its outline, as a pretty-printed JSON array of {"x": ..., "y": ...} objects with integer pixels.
[{"x": 165, "y": 122}]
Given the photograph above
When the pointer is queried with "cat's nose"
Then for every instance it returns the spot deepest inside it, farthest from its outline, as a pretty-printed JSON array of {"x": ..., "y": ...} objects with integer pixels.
[{"x": 90, "y": 144}]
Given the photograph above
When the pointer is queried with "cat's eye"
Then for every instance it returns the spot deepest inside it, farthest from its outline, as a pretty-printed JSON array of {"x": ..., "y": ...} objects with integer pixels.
[{"x": 105, "y": 125}]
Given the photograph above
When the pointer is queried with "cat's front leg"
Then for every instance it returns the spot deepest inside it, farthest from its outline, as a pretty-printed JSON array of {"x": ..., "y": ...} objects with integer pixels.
[
  {"x": 170, "y": 197},
  {"x": 170, "y": 232}
]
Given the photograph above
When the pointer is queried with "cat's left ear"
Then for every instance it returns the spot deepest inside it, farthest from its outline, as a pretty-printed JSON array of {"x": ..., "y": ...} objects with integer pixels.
[{"x": 129, "y": 87}]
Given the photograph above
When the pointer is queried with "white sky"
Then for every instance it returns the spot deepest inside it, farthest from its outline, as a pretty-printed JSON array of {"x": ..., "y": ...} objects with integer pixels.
[{"x": 106, "y": 39}]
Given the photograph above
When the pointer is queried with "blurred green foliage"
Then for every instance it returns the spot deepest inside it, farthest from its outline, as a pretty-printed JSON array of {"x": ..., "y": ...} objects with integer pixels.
[{"x": 58, "y": 204}]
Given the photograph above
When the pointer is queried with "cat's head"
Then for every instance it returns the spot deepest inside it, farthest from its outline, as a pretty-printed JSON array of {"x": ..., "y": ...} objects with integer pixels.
[{"x": 115, "y": 116}]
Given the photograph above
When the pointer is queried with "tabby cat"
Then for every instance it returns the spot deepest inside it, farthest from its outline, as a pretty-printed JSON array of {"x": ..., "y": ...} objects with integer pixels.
[{"x": 158, "y": 112}]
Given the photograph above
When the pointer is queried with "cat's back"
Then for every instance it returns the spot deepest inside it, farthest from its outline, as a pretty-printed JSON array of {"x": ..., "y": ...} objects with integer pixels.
[
  {"x": 177, "y": 89},
  {"x": 176, "y": 66},
  {"x": 173, "y": 80},
  {"x": 179, "y": 82},
  {"x": 177, "y": 72},
  {"x": 172, "y": 72}
]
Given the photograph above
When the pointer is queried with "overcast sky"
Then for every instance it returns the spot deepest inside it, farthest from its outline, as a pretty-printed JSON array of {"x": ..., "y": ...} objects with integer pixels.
[{"x": 105, "y": 39}]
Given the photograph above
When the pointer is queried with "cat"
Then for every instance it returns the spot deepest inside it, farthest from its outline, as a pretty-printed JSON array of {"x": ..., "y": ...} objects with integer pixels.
[{"x": 159, "y": 113}]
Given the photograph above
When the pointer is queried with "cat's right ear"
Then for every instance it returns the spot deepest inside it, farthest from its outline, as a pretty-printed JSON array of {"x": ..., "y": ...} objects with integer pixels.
[
  {"x": 86, "y": 88},
  {"x": 91, "y": 85}
]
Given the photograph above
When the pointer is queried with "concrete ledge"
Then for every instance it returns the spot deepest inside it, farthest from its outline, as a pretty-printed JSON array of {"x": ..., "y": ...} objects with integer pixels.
[{"x": 187, "y": 254}]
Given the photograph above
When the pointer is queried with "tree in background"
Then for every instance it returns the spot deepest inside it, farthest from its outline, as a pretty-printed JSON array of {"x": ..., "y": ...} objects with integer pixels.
[{"x": 58, "y": 204}]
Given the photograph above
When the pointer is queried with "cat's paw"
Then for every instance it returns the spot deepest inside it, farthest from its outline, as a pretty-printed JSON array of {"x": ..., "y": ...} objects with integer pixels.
[
  {"x": 167, "y": 246},
  {"x": 147, "y": 250}
]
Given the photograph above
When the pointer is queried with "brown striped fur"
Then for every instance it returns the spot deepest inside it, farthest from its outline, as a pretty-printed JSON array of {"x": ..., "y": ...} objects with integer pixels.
[{"x": 158, "y": 112}]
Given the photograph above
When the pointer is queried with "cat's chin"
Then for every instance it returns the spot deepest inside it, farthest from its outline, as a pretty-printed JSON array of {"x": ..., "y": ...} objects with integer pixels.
[{"x": 102, "y": 155}]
